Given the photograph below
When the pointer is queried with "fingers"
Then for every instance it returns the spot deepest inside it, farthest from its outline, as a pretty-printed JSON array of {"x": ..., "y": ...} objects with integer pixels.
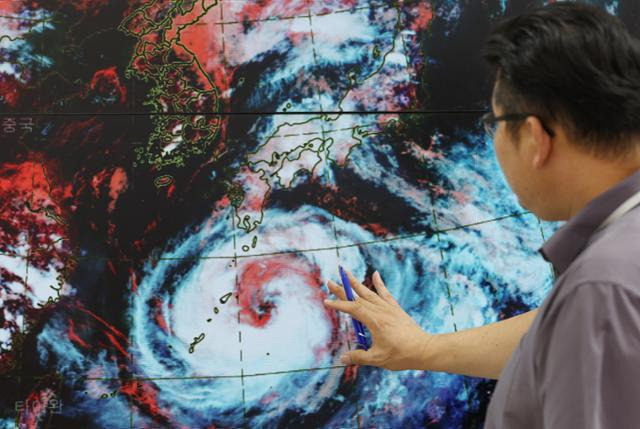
[
  {"x": 382, "y": 290},
  {"x": 337, "y": 290},
  {"x": 355, "y": 308},
  {"x": 356, "y": 357},
  {"x": 362, "y": 291}
]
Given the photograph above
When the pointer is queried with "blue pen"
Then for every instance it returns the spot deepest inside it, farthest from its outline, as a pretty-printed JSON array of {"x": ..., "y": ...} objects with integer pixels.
[{"x": 357, "y": 325}]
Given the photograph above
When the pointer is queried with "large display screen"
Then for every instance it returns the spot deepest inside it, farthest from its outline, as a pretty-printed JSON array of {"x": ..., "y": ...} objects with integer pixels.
[{"x": 179, "y": 179}]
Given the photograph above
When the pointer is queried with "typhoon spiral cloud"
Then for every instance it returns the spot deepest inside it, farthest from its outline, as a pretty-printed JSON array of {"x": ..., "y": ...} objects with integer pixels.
[{"x": 193, "y": 304}]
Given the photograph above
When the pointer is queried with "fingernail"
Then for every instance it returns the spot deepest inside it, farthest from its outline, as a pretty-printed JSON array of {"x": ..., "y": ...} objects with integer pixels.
[
  {"x": 344, "y": 359},
  {"x": 327, "y": 301}
]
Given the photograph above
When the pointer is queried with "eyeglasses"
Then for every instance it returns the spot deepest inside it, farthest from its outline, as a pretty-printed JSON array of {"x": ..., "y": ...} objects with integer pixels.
[{"x": 490, "y": 121}]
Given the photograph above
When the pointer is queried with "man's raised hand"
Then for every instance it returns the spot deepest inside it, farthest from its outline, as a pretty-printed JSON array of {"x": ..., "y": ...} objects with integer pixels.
[{"x": 397, "y": 340}]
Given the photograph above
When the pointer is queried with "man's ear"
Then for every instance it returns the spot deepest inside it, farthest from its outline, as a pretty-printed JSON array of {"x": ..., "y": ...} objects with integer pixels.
[{"x": 542, "y": 143}]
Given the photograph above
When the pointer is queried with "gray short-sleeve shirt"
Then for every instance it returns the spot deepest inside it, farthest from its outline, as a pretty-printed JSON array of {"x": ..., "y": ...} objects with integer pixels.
[{"x": 578, "y": 366}]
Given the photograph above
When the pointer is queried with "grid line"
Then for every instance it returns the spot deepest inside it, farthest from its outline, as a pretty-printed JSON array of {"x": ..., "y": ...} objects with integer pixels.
[
  {"x": 346, "y": 326},
  {"x": 24, "y": 19},
  {"x": 23, "y": 329},
  {"x": 434, "y": 111},
  {"x": 308, "y": 250},
  {"x": 449, "y": 298},
  {"x": 292, "y": 17},
  {"x": 224, "y": 54},
  {"x": 212, "y": 377},
  {"x": 132, "y": 355},
  {"x": 315, "y": 61},
  {"x": 237, "y": 288},
  {"x": 444, "y": 269}
]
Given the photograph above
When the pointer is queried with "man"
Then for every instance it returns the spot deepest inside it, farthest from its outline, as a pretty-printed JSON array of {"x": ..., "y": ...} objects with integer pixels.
[{"x": 566, "y": 124}]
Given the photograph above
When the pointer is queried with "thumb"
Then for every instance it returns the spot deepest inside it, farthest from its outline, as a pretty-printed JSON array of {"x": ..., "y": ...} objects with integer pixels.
[{"x": 355, "y": 357}]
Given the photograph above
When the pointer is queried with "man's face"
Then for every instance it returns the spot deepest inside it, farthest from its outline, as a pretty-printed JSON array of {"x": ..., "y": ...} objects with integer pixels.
[{"x": 512, "y": 159}]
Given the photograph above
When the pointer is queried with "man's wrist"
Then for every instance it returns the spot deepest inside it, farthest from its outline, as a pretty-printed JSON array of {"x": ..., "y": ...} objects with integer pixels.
[{"x": 429, "y": 351}]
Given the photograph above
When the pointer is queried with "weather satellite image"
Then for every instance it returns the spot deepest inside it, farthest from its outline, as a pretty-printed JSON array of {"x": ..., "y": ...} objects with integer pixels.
[{"x": 180, "y": 178}]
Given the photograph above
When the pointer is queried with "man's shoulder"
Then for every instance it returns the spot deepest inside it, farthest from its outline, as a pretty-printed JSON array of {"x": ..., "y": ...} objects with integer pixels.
[
  {"x": 612, "y": 258},
  {"x": 611, "y": 263},
  {"x": 588, "y": 310}
]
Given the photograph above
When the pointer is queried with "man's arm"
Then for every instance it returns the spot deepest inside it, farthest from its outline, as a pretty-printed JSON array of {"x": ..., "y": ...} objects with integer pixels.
[
  {"x": 400, "y": 343},
  {"x": 479, "y": 352}
]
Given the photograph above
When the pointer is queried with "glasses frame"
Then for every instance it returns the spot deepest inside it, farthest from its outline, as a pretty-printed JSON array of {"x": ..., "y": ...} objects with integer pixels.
[{"x": 490, "y": 120}]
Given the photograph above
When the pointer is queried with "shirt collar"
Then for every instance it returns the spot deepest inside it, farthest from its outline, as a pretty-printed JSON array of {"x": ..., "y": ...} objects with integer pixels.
[{"x": 565, "y": 245}]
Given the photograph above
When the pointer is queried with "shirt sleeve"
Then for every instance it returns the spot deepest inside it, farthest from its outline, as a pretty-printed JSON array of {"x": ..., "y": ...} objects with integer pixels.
[{"x": 588, "y": 365}]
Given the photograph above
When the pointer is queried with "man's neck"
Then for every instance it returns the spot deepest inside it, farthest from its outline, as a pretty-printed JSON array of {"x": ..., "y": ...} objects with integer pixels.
[{"x": 593, "y": 177}]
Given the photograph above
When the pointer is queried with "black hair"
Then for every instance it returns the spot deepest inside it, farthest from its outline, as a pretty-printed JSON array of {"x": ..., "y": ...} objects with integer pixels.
[{"x": 573, "y": 64}]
